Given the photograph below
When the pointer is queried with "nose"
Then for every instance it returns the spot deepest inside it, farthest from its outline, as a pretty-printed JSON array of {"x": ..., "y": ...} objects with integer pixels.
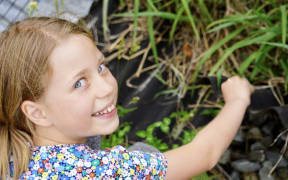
[{"x": 104, "y": 86}]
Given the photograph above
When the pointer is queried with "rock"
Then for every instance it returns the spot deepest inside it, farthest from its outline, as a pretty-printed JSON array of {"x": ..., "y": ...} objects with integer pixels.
[
  {"x": 257, "y": 117},
  {"x": 257, "y": 146},
  {"x": 267, "y": 141},
  {"x": 239, "y": 137},
  {"x": 282, "y": 112},
  {"x": 258, "y": 155},
  {"x": 254, "y": 133},
  {"x": 245, "y": 166},
  {"x": 268, "y": 128},
  {"x": 273, "y": 158},
  {"x": 235, "y": 155},
  {"x": 264, "y": 171},
  {"x": 282, "y": 173},
  {"x": 226, "y": 156},
  {"x": 235, "y": 175},
  {"x": 250, "y": 176}
]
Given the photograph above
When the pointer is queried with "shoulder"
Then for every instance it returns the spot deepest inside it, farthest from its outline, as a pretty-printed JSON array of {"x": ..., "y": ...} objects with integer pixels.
[{"x": 80, "y": 161}]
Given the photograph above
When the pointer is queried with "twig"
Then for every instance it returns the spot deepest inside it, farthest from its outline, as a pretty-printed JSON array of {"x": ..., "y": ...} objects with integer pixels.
[
  {"x": 284, "y": 148},
  {"x": 223, "y": 172}
]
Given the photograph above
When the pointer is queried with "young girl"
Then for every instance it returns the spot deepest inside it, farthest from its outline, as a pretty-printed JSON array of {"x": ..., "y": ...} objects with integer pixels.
[{"x": 55, "y": 91}]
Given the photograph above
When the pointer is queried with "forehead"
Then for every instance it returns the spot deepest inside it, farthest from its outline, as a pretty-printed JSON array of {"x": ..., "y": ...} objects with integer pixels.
[
  {"x": 74, "y": 50},
  {"x": 70, "y": 56}
]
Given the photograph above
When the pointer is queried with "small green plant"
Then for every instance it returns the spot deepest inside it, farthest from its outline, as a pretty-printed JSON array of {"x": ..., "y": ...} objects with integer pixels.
[
  {"x": 124, "y": 111},
  {"x": 210, "y": 112},
  {"x": 149, "y": 136},
  {"x": 188, "y": 136},
  {"x": 119, "y": 137},
  {"x": 32, "y": 8},
  {"x": 204, "y": 176}
]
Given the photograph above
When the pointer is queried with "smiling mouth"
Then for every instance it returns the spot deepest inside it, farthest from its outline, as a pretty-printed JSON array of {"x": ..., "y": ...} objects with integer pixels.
[{"x": 108, "y": 110}]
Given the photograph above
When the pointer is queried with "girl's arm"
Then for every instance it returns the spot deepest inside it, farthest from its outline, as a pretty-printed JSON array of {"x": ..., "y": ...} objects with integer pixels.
[{"x": 204, "y": 151}]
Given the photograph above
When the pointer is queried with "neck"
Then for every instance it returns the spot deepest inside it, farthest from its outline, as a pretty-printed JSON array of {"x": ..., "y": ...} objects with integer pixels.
[
  {"x": 46, "y": 141},
  {"x": 42, "y": 137}
]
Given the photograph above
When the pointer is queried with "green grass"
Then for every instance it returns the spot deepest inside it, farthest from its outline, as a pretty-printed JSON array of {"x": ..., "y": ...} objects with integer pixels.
[{"x": 249, "y": 39}]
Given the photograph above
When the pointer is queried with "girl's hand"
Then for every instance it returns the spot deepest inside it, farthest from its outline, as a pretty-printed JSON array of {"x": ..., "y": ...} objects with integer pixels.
[{"x": 237, "y": 89}]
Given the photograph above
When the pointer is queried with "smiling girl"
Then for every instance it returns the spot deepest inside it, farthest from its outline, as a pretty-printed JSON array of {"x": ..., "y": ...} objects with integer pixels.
[{"x": 55, "y": 92}]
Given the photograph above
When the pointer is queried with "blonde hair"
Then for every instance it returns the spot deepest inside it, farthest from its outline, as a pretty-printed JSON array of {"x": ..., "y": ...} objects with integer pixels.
[{"x": 24, "y": 51}]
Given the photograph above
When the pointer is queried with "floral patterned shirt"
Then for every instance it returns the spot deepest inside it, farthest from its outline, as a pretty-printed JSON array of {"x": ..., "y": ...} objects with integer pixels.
[{"x": 79, "y": 161}]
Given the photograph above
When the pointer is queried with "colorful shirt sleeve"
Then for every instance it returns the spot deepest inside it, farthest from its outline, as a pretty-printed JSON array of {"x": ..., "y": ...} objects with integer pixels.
[{"x": 134, "y": 165}]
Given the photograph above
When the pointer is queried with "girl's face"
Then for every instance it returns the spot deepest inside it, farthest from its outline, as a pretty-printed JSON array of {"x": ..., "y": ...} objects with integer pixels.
[{"x": 80, "y": 99}]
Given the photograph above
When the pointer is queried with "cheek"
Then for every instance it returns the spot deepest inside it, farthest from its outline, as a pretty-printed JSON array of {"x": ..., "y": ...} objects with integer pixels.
[
  {"x": 113, "y": 82},
  {"x": 71, "y": 111}
]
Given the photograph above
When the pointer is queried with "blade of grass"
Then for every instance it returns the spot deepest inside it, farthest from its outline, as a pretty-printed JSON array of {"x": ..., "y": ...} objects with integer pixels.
[
  {"x": 167, "y": 4},
  {"x": 135, "y": 23},
  {"x": 240, "y": 44},
  {"x": 219, "y": 77},
  {"x": 244, "y": 66},
  {"x": 213, "y": 49},
  {"x": 151, "y": 5},
  {"x": 165, "y": 15},
  {"x": 168, "y": 91},
  {"x": 276, "y": 44},
  {"x": 285, "y": 68},
  {"x": 151, "y": 37},
  {"x": 57, "y": 6},
  {"x": 191, "y": 19},
  {"x": 175, "y": 22},
  {"x": 258, "y": 61},
  {"x": 204, "y": 10},
  {"x": 284, "y": 23},
  {"x": 221, "y": 26},
  {"x": 233, "y": 18}
]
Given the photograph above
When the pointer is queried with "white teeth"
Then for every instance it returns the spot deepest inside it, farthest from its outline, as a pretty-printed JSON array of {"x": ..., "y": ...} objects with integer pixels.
[{"x": 108, "y": 110}]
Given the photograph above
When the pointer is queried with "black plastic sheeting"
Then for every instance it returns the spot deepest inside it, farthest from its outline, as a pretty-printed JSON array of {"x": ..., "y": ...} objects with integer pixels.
[{"x": 264, "y": 107}]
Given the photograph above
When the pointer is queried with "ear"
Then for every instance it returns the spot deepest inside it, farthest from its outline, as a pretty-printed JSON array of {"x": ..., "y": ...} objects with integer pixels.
[{"x": 35, "y": 112}]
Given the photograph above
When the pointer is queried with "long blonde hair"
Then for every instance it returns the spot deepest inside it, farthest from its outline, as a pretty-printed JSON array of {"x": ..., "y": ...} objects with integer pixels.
[{"x": 24, "y": 51}]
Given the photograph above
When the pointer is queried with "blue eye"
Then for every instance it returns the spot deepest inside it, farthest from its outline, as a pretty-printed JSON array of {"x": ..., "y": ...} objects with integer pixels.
[
  {"x": 80, "y": 83},
  {"x": 101, "y": 68}
]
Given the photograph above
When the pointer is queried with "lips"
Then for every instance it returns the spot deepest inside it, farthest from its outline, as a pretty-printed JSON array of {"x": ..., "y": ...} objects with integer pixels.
[{"x": 107, "y": 110}]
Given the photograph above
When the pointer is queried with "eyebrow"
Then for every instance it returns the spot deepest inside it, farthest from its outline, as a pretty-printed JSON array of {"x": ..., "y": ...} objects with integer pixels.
[
  {"x": 85, "y": 70},
  {"x": 80, "y": 73}
]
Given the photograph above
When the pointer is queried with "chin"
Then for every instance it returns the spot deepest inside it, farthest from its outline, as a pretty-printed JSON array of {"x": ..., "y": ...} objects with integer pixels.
[{"x": 111, "y": 127}]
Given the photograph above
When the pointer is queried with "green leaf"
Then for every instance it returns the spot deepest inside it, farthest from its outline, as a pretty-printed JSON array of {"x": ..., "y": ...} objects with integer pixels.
[
  {"x": 191, "y": 19},
  {"x": 136, "y": 11},
  {"x": 240, "y": 44},
  {"x": 275, "y": 44},
  {"x": 163, "y": 147},
  {"x": 150, "y": 139},
  {"x": 204, "y": 10},
  {"x": 174, "y": 25},
  {"x": 219, "y": 77},
  {"x": 174, "y": 146},
  {"x": 167, "y": 121},
  {"x": 284, "y": 23},
  {"x": 151, "y": 37},
  {"x": 164, "y": 128},
  {"x": 165, "y": 15},
  {"x": 141, "y": 134},
  {"x": 243, "y": 67},
  {"x": 213, "y": 49}
]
